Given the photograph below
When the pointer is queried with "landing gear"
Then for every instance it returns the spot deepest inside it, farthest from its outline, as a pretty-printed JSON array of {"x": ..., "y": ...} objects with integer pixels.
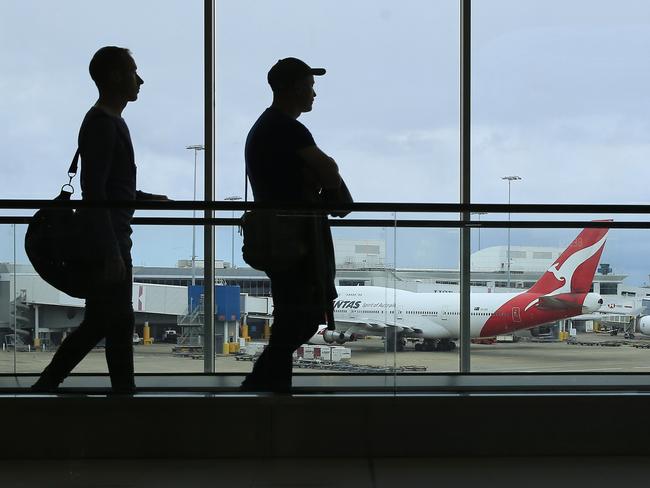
[
  {"x": 435, "y": 345},
  {"x": 394, "y": 341},
  {"x": 445, "y": 345}
]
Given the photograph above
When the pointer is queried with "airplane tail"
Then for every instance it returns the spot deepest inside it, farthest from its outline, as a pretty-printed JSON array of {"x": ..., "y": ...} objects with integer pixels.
[{"x": 574, "y": 270}]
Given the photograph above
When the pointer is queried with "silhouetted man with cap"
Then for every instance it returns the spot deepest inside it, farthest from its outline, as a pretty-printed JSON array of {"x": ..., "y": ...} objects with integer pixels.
[
  {"x": 285, "y": 165},
  {"x": 108, "y": 172}
]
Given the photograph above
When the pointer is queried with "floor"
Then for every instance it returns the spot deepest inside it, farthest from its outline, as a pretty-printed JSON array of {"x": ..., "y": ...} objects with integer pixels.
[{"x": 593, "y": 472}]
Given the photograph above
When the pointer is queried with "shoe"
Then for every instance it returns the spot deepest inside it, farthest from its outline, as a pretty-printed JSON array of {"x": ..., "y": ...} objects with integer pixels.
[
  {"x": 277, "y": 388},
  {"x": 43, "y": 386},
  {"x": 122, "y": 390}
]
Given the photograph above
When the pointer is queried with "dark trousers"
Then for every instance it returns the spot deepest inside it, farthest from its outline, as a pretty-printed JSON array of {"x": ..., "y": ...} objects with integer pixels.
[
  {"x": 108, "y": 314},
  {"x": 296, "y": 316}
]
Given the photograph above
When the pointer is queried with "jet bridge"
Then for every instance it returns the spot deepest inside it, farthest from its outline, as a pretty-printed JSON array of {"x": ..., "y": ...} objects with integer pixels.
[{"x": 37, "y": 308}]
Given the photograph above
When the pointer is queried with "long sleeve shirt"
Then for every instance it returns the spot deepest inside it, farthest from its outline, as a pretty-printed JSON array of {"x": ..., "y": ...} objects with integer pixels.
[{"x": 108, "y": 172}]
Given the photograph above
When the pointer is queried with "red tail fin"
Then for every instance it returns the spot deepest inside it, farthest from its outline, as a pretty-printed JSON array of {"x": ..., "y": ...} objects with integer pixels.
[{"x": 573, "y": 271}]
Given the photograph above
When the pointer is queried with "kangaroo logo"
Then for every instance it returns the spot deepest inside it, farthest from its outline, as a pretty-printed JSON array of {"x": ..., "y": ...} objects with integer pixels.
[{"x": 563, "y": 272}]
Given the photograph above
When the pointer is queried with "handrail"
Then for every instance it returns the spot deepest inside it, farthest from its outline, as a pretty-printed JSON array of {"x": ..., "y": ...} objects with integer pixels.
[
  {"x": 180, "y": 205},
  {"x": 407, "y": 223}
]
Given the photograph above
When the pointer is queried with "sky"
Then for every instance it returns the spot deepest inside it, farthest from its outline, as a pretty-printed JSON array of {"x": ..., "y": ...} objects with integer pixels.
[{"x": 559, "y": 97}]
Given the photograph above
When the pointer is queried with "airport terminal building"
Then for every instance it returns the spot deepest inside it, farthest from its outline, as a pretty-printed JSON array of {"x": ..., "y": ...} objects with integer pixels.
[
  {"x": 161, "y": 294},
  {"x": 363, "y": 263}
]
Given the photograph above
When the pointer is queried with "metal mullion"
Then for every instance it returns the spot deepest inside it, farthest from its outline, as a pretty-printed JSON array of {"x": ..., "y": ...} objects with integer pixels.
[
  {"x": 465, "y": 182},
  {"x": 209, "y": 169}
]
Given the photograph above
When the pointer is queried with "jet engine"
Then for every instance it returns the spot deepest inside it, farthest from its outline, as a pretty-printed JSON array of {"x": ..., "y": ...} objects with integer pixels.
[
  {"x": 334, "y": 336},
  {"x": 644, "y": 325},
  {"x": 593, "y": 302}
]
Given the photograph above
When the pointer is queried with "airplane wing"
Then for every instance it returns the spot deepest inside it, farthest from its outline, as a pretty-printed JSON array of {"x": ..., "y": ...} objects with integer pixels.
[{"x": 373, "y": 326}]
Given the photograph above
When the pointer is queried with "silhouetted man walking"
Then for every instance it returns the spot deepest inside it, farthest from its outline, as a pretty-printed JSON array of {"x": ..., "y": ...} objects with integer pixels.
[
  {"x": 285, "y": 165},
  {"x": 108, "y": 172}
]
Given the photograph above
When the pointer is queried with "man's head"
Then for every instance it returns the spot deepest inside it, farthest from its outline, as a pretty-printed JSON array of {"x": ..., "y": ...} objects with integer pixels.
[
  {"x": 114, "y": 72},
  {"x": 293, "y": 81}
]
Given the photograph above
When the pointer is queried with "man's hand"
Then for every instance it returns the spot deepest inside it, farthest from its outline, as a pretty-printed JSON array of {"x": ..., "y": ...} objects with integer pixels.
[
  {"x": 338, "y": 195},
  {"x": 114, "y": 270},
  {"x": 143, "y": 195}
]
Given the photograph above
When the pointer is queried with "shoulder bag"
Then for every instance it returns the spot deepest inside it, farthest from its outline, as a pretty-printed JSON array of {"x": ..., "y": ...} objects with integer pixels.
[
  {"x": 274, "y": 241},
  {"x": 52, "y": 244}
]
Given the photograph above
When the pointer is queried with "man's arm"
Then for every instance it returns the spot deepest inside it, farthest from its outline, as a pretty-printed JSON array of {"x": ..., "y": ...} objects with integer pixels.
[
  {"x": 97, "y": 147},
  {"x": 338, "y": 195},
  {"x": 322, "y": 166},
  {"x": 143, "y": 196}
]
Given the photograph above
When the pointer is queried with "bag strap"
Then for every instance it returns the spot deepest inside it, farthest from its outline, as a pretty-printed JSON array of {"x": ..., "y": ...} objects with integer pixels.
[
  {"x": 74, "y": 165},
  {"x": 245, "y": 183},
  {"x": 72, "y": 172}
]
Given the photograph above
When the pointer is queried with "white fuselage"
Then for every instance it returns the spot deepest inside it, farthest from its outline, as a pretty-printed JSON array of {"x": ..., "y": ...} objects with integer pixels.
[{"x": 433, "y": 315}]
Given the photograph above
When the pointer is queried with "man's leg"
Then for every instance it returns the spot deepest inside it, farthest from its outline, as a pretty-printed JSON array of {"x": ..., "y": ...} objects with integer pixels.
[
  {"x": 73, "y": 349},
  {"x": 119, "y": 350},
  {"x": 119, "y": 334},
  {"x": 295, "y": 321}
]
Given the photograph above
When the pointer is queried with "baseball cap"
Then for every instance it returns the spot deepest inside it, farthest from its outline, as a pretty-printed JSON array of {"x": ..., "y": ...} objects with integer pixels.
[{"x": 289, "y": 70}]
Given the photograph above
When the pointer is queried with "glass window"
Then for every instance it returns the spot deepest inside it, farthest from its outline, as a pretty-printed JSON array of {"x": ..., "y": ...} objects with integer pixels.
[
  {"x": 387, "y": 109},
  {"x": 46, "y": 51},
  {"x": 46, "y": 48},
  {"x": 559, "y": 99},
  {"x": 608, "y": 288},
  {"x": 527, "y": 328}
]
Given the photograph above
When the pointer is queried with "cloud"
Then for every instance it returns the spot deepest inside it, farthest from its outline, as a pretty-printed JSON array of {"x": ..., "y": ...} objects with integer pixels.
[
  {"x": 592, "y": 165},
  {"x": 560, "y": 100}
]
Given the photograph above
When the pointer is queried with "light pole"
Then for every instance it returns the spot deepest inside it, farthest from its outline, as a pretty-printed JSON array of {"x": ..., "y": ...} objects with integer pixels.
[
  {"x": 479, "y": 227},
  {"x": 232, "y": 244},
  {"x": 509, "y": 179},
  {"x": 196, "y": 148}
]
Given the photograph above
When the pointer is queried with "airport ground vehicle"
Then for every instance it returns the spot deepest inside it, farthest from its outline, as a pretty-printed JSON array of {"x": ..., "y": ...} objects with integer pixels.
[{"x": 170, "y": 336}]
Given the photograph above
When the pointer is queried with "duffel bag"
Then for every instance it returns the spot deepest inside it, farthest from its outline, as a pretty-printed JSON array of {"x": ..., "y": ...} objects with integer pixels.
[{"x": 53, "y": 245}]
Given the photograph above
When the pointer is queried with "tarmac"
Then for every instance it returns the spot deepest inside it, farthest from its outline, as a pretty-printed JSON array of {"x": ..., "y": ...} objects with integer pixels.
[{"x": 594, "y": 353}]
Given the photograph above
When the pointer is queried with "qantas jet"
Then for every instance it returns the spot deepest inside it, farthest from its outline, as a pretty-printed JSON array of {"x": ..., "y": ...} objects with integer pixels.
[{"x": 561, "y": 292}]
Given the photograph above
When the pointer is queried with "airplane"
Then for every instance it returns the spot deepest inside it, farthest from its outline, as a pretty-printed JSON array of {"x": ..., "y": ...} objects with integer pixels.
[{"x": 562, "y": 292}]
